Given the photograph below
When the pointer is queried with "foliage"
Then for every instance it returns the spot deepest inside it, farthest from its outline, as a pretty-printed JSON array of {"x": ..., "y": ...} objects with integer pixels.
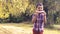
[{"x": 21, "y": 10}]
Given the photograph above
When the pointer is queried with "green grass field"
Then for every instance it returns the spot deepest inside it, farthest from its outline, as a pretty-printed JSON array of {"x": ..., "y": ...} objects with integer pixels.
[{"x": 28, "y": 27}]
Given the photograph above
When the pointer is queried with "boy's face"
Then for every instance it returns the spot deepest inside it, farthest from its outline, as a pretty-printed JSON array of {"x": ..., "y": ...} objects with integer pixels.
[{"x": 39, "y": 8}]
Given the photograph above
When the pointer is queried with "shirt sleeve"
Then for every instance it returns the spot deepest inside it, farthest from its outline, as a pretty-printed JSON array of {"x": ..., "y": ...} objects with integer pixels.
[
  {"x": 34, "y": 15},
  {"x": 44, "y": 13}
]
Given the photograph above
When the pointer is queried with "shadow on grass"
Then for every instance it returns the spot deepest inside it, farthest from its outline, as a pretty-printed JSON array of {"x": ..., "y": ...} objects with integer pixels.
[{"x": 51, "y": 27}]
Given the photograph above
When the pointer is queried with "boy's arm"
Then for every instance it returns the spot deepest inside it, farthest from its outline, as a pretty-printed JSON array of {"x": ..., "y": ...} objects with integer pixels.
[
  {"x": 45, "y": 20},
  {"x": 34, "y": 18}
]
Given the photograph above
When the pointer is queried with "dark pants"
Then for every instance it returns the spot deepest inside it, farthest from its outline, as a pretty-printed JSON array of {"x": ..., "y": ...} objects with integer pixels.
[{"x": 37, "y": 32}]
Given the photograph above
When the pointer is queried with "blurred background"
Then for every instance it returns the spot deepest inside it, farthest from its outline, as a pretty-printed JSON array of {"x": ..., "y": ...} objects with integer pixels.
[{"x": 20, "y": 11}]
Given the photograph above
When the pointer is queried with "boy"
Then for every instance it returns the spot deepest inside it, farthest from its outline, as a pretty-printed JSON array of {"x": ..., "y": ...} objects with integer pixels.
[{"x": 39, "y": 18}]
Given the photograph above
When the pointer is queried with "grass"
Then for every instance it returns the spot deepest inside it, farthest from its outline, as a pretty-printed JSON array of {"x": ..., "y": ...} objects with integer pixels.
[
  {"x": 47, "y": 31},
  {"x": 29, "y": 27}
]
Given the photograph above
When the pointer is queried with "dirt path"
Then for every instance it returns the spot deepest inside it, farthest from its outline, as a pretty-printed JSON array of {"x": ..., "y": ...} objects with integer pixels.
[
  {"x": 22, "y": 28},
  {"x": 14, "y": 30}
]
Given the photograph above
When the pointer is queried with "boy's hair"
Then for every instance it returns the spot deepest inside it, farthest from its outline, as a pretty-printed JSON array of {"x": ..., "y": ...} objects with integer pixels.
[{"x": 39, "y": 4}]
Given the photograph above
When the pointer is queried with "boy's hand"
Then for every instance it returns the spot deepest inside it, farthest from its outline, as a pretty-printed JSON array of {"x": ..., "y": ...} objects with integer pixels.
[{"x": 40, "y": 11}]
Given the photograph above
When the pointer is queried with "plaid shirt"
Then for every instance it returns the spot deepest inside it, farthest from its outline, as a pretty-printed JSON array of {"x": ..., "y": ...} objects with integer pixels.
[{"x": 39, "y": 25}]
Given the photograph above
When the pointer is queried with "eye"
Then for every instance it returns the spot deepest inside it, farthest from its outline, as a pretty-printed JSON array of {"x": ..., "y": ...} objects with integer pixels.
[{"x": 39, "y": 7}]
